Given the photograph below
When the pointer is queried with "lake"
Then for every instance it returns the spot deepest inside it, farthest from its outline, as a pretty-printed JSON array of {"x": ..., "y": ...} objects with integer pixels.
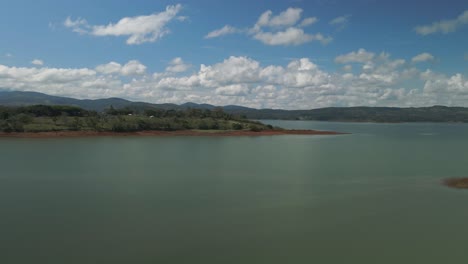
[{"x": 373, "y": 196}]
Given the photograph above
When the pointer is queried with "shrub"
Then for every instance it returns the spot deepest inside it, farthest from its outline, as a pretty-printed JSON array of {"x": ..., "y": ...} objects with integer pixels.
[
  {"x": 237, "y": 126},
  {"x": 255, "y": 128}
]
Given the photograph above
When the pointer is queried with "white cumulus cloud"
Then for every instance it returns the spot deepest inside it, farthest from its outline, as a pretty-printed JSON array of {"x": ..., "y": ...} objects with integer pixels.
[
  {"x": 37, "y": 62},
  {"x": 291, "y": 36},
  {"x": 286, "y": 18},
  {"x": 361, "y": 56},
  {"x": 226, "y": 30},
  {"x": 78, "y": 25},
  {"x": 177, "y": 65},
  {"x": 423, "y": 57},
  {"x": 132, "y": 67},
  {"x": 138, "y": 29},
  {"x": 109, "y": 68},
  {"x": 232, "y": 90},
  {"x": 308, "y": 21}
]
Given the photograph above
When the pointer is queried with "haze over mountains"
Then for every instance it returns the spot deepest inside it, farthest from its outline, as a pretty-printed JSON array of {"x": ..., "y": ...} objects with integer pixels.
[{"x": 348, "y": 114}]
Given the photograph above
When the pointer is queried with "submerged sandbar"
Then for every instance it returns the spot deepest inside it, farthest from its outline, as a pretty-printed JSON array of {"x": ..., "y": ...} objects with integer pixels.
[{"x": 457, "y": 183}]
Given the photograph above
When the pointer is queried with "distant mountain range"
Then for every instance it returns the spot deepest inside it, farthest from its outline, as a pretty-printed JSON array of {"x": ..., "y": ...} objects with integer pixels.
[
  {"x": 17, "y": 98},
  {"x": 347, "y": 114}
]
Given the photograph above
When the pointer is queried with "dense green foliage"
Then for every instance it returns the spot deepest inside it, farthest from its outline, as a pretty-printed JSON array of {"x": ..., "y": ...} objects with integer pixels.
[{"x": 39, "y": 118}]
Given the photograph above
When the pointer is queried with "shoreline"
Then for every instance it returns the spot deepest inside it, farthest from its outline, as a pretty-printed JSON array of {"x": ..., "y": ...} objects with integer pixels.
[{"x": 210, "y": 133}]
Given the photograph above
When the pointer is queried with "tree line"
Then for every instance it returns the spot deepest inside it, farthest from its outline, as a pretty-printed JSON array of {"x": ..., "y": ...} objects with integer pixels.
[{"x": 37, "y": 118}]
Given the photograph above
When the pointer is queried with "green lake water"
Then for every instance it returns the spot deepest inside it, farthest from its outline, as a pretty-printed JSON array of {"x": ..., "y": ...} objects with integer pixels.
[{"x": 373, "y": 196}]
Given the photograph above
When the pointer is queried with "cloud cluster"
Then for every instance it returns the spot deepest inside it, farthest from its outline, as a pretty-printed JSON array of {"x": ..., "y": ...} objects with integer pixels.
[
  {"x": 374, "y": 79},
  {"x": 82, "y": 82},
  {"x": 284, "y": 29},
  {"x": 443, "y": 26},
  {"x": 139, "y": 29}
]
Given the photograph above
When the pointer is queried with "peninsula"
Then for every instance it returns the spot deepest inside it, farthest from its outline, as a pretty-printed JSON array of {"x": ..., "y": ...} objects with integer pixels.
[{"x": 72, "y": 121}]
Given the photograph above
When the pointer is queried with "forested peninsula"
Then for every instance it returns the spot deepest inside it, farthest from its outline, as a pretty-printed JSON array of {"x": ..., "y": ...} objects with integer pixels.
[{"x": 62, "y": 120}]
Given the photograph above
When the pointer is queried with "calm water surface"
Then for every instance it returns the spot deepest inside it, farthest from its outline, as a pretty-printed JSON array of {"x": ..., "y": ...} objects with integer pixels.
[{"x": 370, "y": 197}]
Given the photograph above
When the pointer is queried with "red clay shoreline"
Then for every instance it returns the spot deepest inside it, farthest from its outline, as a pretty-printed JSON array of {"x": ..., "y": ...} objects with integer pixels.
[{"x": 230, "y": 133}]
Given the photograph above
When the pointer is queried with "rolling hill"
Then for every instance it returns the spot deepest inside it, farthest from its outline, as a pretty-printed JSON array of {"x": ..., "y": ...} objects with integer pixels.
[{"x": 346, "y": 114}]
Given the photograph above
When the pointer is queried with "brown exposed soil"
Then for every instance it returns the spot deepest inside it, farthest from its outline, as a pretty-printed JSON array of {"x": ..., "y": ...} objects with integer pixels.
[
  {"x": 230, "y": 133},
  {"x": 458, "y": 183}
]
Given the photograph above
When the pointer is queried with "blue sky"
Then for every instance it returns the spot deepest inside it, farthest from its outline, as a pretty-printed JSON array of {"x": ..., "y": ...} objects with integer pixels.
[{"x": 278, "y": 54}]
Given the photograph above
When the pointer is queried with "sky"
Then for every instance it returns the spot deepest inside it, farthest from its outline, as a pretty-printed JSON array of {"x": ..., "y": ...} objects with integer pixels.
[{"x": 288, "y": 54}]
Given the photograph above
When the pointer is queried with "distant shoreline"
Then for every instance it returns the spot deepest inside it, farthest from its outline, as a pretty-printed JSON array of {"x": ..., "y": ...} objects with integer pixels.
[{"x": 209, "y": 133}]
